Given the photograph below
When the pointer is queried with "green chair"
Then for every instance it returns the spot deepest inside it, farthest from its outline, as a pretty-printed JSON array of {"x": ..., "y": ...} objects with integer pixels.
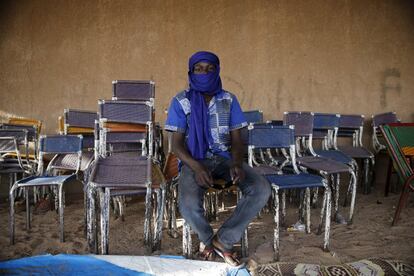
[{"x": 399, "y": 138}]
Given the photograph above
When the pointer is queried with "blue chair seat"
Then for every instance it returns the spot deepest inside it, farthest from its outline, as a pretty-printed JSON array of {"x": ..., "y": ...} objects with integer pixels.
[
  {"x": 335, "y": 155},
  {"x": 45, "y": 180},
  {"x": 295, "y": 181},
  {"x": 317, "y": 163},
  {"x": 356, "y": 152}
]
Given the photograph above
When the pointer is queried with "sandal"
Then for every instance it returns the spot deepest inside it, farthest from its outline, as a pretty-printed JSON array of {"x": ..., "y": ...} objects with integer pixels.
[
  {"x": 229, "y": 258},
  {"x": 208, "y": 254}
]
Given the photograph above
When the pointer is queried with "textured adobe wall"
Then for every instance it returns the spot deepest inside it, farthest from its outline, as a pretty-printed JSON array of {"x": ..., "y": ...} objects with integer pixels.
[{"x": 330, "y": 56}]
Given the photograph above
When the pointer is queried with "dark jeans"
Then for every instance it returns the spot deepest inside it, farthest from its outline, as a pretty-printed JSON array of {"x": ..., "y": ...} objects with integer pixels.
[{"x": 255, "y": 189}]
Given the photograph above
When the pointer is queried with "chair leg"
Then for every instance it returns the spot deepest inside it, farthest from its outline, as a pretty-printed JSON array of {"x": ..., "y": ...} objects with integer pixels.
[
  {"x": 61, "y": 206},
  {"x": 389, "y": 174},
  {"x": 354, "y": 188},
  {"x": 403, "y": 198},
  {"x": 328, "y": 219},
  {"x": 216, "y": 208},
  {"x": 26, "y": 192},
  {"x": 367, "y": 187},
  {"x": 104, "y": 196},
  {"x": 11, "y": 199},
  {"x": 315, "y": 198},
  {"x": 91, "y": 220},
  {"x": 308, "y": 221},
  {"x": 147, "y": 223},
  {"x": 335, "y": 187},
  {"x": 276, "y": 230},
  {"x": 323, "y": 209},
  {"x": 187, "y": 243},
  {"x": 283, "y": 217},
  {"x": 159, "y": 219}
]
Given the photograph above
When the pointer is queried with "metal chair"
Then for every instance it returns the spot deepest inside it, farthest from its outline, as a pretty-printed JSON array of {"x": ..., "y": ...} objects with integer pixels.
[
  {"x": 399, "y": 138},
  {"x": 328, "y": 168},
  {"x": 355, "y": 124},
  {"x": 378, "y": 142},
  {"x": 48, "y": 145},
  {"x": 282, "y": 137}
]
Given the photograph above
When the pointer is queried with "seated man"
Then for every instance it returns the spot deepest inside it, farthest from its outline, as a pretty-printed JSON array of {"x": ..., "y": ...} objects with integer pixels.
[{"x": 206, "y": 121}]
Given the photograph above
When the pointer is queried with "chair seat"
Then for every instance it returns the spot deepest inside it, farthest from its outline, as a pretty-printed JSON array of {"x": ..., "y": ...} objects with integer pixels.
[
  {"x": 356, "y": 152},
  {"x": 326, "y": 165},
  {"x": 295, "y": 181},
  {"x": 265, "y": 170},
  {"x": 69, "y": 161},
  {"x": 335, "y": 155},
  {"x": 45, "y": 180}
]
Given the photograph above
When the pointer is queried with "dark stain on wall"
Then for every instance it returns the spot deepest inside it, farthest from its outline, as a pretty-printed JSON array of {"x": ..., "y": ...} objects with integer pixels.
[{"x": 390, "y": 85}]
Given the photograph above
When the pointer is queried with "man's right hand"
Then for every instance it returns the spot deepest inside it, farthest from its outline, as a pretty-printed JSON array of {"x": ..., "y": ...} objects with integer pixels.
[{"x": 203, "y": 176}]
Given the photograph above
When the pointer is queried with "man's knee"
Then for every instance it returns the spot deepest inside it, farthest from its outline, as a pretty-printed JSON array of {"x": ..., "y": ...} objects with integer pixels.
[{"x": 261, "y": 190}]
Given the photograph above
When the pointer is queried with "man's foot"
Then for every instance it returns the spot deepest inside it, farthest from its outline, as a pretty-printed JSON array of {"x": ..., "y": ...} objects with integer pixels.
[
  {"x": 229, "y": 257},
  {"x": 207, "y": 254}
]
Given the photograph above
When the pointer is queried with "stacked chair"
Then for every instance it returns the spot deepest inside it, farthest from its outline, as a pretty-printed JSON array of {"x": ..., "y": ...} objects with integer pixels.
[
  {"x": 270, "y": 137},
  {"x": 352, "y": 126},
  {"x": 124, "y": 162},
  {"x": 48, "y": 145},
  {"x": 399, "y": 138},
  {"x": 307, "y": 158}
]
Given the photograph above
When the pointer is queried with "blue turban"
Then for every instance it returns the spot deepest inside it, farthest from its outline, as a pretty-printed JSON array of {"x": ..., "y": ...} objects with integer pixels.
[{"x": 200, "y": 84}]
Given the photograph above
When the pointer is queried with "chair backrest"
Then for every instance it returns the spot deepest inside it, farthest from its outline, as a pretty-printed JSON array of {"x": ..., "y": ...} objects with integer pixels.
[
  {"x": 74, "y": 118},
  {"x": 60, "y": 144},
  {"x": 26, "y": 122},
  {"x": 399, "y": 139},
  {"x": 351, "y": 121},
  {"x": 32, "y": 131},
  {"x": 384, "y": 118},
  {"x": 134, "y": 90},
  {"x": 325, "y": 121},
  {"x": 303, "y": 122},
  {"x": 268, "y": 136},
  {"x": 126, "y": 111},
  {"x": 253, "y": 116},
  {"x": 7, "y": 138}
]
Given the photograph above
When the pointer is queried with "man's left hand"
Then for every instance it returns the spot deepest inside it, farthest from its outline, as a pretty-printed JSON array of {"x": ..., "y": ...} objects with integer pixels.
[{"x": 237, "y": 174}]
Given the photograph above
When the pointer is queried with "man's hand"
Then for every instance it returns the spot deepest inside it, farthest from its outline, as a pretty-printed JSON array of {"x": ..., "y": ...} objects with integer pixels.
[
  {"x": 203, "y": 176},
  {"x": 237, "y": 174}
]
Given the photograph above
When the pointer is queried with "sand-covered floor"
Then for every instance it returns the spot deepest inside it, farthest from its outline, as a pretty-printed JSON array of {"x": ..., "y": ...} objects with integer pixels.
[{"x": 371, "y": 234}]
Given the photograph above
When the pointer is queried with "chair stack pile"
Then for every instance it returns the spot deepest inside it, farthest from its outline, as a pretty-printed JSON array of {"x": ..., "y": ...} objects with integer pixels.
[{"x": 123, "y": 161}]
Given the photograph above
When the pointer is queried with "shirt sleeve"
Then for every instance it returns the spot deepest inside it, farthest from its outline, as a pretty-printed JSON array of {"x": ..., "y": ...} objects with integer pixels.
[
  {"x": 237, "y": 119},
  {"x": 176, "y": 119}
]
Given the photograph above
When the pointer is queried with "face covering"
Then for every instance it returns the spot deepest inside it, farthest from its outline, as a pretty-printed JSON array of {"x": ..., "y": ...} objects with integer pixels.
[{"x": 200, "y": 84}]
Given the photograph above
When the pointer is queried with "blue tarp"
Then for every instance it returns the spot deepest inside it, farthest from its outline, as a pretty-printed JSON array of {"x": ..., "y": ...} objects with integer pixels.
[{"x": 63, "y": 264}]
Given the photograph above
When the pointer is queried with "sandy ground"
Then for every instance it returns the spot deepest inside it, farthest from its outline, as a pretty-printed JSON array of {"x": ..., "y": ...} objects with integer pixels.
[{"x": 371, "y": 234}]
